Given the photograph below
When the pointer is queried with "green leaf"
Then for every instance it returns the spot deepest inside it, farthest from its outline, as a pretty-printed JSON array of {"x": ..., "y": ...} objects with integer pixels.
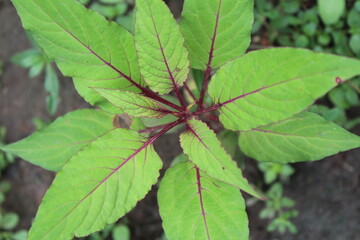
[
  {"x": 331, "y": 10},
  {"x": 121, "y": 232},
  {"x": 54, "y": 145},
  {"x": 337, "y": 97},
  {"x": 97, "y": 186},
  {"x": 198, "y": 76},
  {"x": 97, "y": 53},
  {"x": 352, "y": 97},
  {"x": 354, "y": 19},
  {"x": 36, "y": 69},
  {"x": 195, "y": 206},
  {"x": 291, "y": 7},
  {"x": 27, "y": 58},
  {"x": 200, "y": 143},
  {"x": 305, "y": 137},
  {"x": 10, "y": 221},
  {"x": 271, "y": 85},
  {"x": 163, "y": 59},
  {"x": 355, "y": 44},
  {"x": 51, "y": 87},
  {"x": 20, "y": 235},
  {"x": 110, "y": 11},
  {"x": 216, "y": 31},
  {"x": 133, "y": 104}
]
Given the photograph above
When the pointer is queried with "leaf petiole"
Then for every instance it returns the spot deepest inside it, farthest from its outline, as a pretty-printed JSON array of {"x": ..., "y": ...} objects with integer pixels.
[
  {"x": 190, "y": 92},
  {"x": 164, "y": 130},
  {"x": 154, "y": 96},
  {"x": 207, "y": 76}
]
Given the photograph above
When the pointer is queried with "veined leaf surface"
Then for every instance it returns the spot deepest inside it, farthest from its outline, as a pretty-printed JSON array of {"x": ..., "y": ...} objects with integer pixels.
[
  {"x": 97, "y": 186},
  {"x": 216, "y": 31},
  {"x": 97, "y": 53},
  {"x": 54, "y": 145},
  {"x": 195, "y": 206},
  {"x": 304, "y": 137},
  {"x": 271, "y": 85},
  {"x": 200, "y": 143},
  {"x": 163, "y": 59},
  {"x": 133, "y": 104}
]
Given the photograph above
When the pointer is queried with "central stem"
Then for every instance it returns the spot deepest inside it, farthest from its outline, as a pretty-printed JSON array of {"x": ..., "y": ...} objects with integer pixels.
[{"x": 207, "y": 76}]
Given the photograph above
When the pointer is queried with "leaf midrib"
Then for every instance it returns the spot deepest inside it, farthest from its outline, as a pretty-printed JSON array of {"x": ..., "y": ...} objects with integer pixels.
[
  {"x": 90, "y": 49},
  {"x": 193, "y": 132},
  {"x": 203, "y": 213},
  {"x": 277, "y": 84},
  {"x": 144, "y": 146}
]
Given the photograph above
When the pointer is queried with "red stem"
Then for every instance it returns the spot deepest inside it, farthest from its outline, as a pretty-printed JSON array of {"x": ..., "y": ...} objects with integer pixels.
[
  {"x": 205, "y": 110},
  {"x": 164, "y": 130},
  {"x": 153, "y": 95},
  {"x": 208, "y": 70},
  {"x": 207, "y": 76},
  {"x": 200, "y": 189},
  {"x": 145, "y": 91},
  {"x": 152, "y": 129},
  {"x": 190, "y": 92}
]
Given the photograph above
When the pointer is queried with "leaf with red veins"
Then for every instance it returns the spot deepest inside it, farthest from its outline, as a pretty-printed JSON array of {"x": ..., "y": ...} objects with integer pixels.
[
  {"x": 271, "y": 85},
  {"x": 163, "y": 59},
  {"x": 98, "y": 186},
  {"x": 216, "y": 31},
  {"x": 85, "y": 46},
  {"x": 133, "y": 104},
  {"x": 304, "y": 137},
  {"x": 203, "y": 148},
  {"x": 194, "y": 205},
  {"x": 53, "y": 146}
]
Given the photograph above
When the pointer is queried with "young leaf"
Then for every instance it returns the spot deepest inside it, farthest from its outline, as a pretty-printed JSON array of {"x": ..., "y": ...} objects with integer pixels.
[
  {"x": 200, "y": 143},
  {"x": 133, "y": 104},
  {"x": 97, "y": 186},
  {"x": 216, "y": 31},
  {"x": 54, "y": 145},
  {"x": 271, "y": 85},
  {"x": 195, "y": 206},
  {"x": 163, "y": 59},
  {"x": 97, "y": 53},
  {"x": 304, "y": 137}
]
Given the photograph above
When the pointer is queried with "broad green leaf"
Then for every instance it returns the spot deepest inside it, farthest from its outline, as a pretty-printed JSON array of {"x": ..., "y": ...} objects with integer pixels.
[
  {"x": 195, "y": 206},
  {"x": 200, "y": 143},
  {"x": 133, "y": 104},
  {"x": 271, "y": 85},
  {"x": 54, "y": 145},
  {"x": 304, "y": 137},
  {"x": 97, "y": 186},
  {"x": 331, "y": 10},
  {"x": 163, "y": 59},
  {"x": 97, "y": 53},
  {"x": 216, "y": 31}
]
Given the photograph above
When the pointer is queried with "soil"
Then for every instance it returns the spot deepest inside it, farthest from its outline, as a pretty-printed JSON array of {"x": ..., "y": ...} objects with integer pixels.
[{"x": 327, "y": 192}]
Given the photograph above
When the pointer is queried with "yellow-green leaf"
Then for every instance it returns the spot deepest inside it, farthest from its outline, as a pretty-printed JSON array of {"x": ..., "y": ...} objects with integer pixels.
[
  {"x": 304, "y": 137},
  {"x": 193, "y": 205},
  {"x": 200, "y": 143}
]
